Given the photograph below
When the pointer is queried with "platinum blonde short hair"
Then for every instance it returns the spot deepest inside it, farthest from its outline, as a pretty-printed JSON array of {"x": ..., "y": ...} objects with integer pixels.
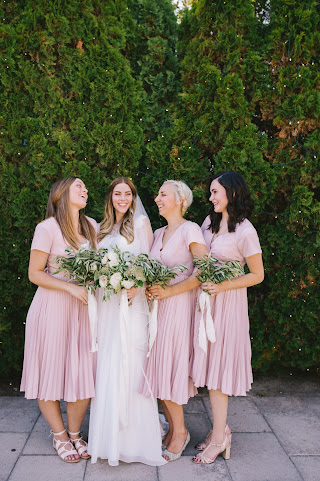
[{"x": 183, "y": 192}]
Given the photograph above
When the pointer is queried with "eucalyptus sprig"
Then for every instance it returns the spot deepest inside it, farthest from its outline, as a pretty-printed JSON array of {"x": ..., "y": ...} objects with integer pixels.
[
  {"x": 211, "y": 269},
  {"x": 159, "y": 274}
]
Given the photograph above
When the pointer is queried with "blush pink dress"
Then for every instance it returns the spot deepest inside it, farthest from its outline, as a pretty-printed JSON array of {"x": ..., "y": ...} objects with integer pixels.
[
  {"x": 227, "y": 365},
  {"x": 57, "y": 363},
  {"x": 167, "y": 368}
]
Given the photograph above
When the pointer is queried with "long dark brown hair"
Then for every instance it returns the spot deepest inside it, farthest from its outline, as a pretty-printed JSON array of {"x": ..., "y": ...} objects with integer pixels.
[
  {"x": 240, "y": 204},
  {"x": 59, "y": 208},
  {"x": 126, "y": 225}
]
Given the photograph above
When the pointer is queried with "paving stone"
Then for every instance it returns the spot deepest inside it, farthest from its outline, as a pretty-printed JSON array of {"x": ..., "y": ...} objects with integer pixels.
[
  {"x": 260, "y": 457},
  {"x": 184, "y": 469},
  {"x": 46, "y": 468},
  {"x": 101, "y": 471},
  {"x": 11, "y": 447},
  {"x": 243, "y": 415},
  {"x": 198, "y": 425},
  {"x": 17, "y": 414},
  {"x": 297, "y": 428},
  {"x": 313, "y": 404},
  {"x": 195, "y": 405},
  {"x": 308, "y": 466}
]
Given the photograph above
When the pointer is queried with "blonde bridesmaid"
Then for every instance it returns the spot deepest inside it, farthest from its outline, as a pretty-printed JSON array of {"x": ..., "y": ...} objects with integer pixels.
[{"x": 167, "y": 368}]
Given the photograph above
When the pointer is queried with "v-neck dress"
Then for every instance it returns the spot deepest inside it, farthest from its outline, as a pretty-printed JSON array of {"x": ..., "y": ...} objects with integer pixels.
[
  {"x": 167, "y": 368},
  {"x": 57, "y": 362},
  {"x": 227, "y": 365}
]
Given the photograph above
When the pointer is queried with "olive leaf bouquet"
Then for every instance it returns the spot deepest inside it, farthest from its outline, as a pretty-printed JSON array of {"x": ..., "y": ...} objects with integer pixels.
[
  {"x": 211, "y": 269},
  {"x": 82, "y": 266}
]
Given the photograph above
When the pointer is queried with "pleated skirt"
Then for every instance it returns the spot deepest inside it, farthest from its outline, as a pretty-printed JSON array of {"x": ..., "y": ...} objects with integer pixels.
[
  {"x": 168, "y": 367},
  {"x": 227, "y": 364},
  {"x": 58, "y": 363}
]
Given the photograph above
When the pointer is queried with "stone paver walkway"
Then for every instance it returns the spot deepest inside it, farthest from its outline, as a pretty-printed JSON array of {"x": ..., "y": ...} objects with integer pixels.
[{"x": 276, "y": 437}]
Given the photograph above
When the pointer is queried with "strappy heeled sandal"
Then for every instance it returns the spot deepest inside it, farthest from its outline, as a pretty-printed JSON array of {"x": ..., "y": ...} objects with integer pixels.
[
  {"x": 203, "y": 444},
  {"x": 60, "y": 447},
  {"x": 225, "y": 449},
  {"x": 174, "y": 456},
  {"x": 80, "y": 445}
]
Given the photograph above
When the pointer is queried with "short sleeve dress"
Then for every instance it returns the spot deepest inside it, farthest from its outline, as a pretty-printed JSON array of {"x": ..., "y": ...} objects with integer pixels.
[
  {"x": 167, "y": 368},
  {"x": 227, "y": 364},
  {"x": 57, "y": 363}
]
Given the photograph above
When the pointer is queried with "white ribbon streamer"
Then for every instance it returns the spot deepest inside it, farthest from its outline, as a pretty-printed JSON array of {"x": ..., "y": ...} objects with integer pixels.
[
  {"x": 153, "y": 324},
  {"x": 206, "y": 327},
  {"x": 124, "y": 362},
  {"x": 92, "y": 311}
]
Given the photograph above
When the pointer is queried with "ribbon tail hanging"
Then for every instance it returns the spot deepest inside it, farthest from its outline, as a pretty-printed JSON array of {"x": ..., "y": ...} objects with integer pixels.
[
  {"x": 211, "y": 333},
  {"x": 124, "y": 362},
  {"x": 92, "y": 312},
  {"x": 153, "y": 325},
  {"x": 202, "y": 331}
]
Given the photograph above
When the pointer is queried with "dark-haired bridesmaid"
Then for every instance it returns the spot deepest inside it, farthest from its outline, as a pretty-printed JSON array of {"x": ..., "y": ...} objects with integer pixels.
[{"x": 226, "y": 366}]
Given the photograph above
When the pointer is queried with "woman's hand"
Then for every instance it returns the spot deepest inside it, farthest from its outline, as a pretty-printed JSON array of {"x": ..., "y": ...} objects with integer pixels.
[
  {"x": 131, "y": 293},
  {"x": 78, "y": 292},
  {"x": 212, "y": 288},
  {"x": 157, "y": 292}
]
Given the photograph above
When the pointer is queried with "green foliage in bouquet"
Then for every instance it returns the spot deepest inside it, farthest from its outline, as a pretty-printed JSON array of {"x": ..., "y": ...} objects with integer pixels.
[
  {"x": 81, "y": 266},
  {"x": 212, "y": 270},
  {"x": 159, "y": 274}
]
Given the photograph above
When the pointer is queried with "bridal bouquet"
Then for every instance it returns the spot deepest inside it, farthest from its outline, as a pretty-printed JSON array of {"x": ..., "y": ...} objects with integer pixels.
[
  {"x": 211, "y": 270},
  {"x": 121, "y": 270}
]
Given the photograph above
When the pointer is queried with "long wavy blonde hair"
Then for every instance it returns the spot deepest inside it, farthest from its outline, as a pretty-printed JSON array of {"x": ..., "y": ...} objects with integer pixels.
[
  {"x": 126, "y": 224},
  {"x": 59, "y": 208}
]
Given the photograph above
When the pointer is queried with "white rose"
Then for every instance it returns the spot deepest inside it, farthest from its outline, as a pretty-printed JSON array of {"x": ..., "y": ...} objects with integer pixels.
[
  {"x": 104, "y": 259},
  {"x": 127, "y": 284},
  {"x": 93, "y": 267},
  {"x": 103, "y": 281},
  {"x": 115, "y": 280},
  {"x": 113, "y": 259}
]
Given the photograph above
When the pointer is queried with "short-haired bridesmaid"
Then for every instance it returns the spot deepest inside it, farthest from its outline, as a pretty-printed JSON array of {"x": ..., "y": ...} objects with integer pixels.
[{"x": 167, "y": 368}]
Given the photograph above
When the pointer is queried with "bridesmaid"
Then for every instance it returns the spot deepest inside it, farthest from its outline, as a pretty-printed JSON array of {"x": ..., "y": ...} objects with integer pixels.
[
  {"x": 57, "y": 359},
  {"x": 167, "y": 368},
  {"x": 226, "y": 369}
]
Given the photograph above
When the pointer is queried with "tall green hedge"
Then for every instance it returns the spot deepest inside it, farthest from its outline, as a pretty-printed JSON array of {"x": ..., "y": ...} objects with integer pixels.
[
  {"x": 69, "y": 105},
  {"x": 250, "y": 102},
  {"x": 102, "y": 88}
]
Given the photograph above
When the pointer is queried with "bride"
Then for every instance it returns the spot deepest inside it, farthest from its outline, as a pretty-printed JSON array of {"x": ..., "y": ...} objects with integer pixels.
[{"x": 124, "y": 425}]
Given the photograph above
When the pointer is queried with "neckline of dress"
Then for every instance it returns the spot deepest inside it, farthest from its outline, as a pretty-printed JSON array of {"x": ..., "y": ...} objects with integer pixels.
[{"x": 163, "y": 231}]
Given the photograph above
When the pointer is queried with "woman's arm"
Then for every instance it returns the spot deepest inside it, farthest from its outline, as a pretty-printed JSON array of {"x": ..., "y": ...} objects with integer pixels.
[
  {"x": 197, "y": 250},
  {"x": 255, "y": 276},
  {"x": 37, "y": 264}
]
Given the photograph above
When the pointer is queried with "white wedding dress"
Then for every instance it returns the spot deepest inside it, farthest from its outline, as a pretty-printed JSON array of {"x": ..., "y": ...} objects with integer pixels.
[{"x": 124, "y": 425}]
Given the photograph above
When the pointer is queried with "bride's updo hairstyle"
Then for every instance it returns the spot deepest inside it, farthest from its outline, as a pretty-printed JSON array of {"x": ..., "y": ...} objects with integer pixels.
[
  {"x": 240, "y": 204},
  {"x": 183, "y": 192},
  {"x": 126, "y": 225},
  {"x": 59, "y": 208}
]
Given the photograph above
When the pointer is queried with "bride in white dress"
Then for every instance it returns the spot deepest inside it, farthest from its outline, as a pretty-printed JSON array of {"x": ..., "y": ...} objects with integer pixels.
[{"x": 124, "y": 425}]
